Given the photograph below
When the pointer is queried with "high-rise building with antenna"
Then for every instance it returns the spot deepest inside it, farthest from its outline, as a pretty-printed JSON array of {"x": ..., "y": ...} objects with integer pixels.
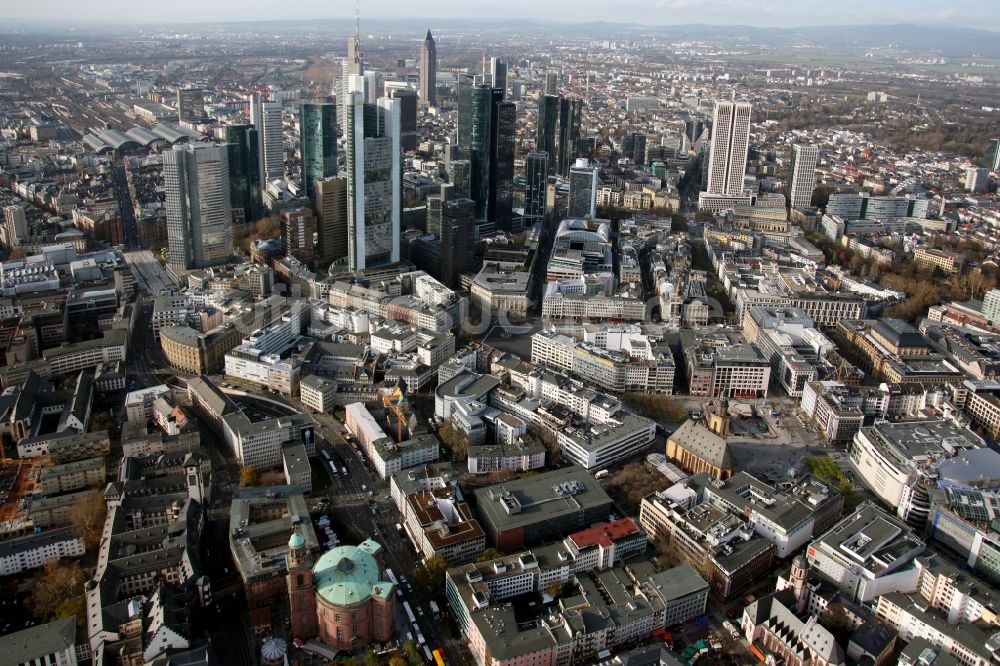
[{"x": 374, "y": 179}]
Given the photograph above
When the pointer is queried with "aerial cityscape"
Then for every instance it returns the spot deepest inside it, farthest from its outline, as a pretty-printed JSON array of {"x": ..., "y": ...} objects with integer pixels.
[{"x": 548, "y": 337}]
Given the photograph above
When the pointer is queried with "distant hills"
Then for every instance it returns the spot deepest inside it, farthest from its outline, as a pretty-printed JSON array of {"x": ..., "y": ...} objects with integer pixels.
[{"x": 948, "y": 41}]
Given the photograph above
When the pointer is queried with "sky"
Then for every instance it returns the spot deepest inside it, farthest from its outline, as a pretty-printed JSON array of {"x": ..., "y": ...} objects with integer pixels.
[{"x": 983, "y": 14}]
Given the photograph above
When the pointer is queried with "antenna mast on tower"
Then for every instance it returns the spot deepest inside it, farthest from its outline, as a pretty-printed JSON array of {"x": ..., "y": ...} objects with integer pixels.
[{"x": 357, "y": 32}]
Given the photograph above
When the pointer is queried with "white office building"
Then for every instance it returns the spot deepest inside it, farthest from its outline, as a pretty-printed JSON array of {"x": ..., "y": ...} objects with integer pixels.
[
  {"x": 802, "y": 175},
  {"x": 266, "y": 118},
  {"x": 730, "y": 142}
]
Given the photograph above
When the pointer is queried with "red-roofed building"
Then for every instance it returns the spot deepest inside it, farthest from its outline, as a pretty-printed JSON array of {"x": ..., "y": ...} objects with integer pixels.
[{"x": 604, "y": 544}]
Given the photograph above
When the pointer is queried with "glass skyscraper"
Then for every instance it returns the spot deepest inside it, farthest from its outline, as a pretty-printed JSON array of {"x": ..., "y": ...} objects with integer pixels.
[
  {"x": 318, "y": 136},
  {"x": 536, "y": 167},
  {"x": 244, "y": 173}
]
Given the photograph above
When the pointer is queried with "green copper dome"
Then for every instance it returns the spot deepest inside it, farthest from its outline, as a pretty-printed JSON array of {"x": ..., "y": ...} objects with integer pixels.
[
  {"x": 345, "y": 575},
  {"x": 296, "y": 540}
]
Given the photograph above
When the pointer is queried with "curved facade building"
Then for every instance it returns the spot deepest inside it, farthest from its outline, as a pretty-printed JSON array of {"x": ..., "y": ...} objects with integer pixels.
[{"x": 354, "y": 606}]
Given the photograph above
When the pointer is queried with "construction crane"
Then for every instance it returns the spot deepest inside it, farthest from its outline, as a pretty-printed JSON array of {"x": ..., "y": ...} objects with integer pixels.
[{"x": 395, "y": 402}]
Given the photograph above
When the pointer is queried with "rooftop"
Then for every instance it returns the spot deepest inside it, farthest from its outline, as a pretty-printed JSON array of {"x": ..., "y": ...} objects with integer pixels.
[
  {"x": 539, "y": 498},
  {"x": 347, "y": 575}
]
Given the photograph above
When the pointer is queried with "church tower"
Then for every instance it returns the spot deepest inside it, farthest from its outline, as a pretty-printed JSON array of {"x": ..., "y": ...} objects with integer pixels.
[
  {"x": 798, "y": 579},
  {"x": 719, "y": 420},
  {"x": 301, "y": 593},
  {"x": 195, "y": 480}
]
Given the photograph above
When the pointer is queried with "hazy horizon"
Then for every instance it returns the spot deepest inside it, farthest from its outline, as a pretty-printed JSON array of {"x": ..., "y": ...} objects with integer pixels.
[{"x": 771, "y": 13}]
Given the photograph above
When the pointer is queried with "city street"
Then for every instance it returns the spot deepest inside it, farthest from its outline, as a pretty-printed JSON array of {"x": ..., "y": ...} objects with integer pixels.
[{"x": 351, "y": 505}]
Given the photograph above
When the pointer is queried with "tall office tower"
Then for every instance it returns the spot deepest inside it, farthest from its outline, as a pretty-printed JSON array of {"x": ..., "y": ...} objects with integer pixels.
[
  {"x": 582, "y": 190},
  {"x": 503, "y": 121},
  {"x": 570, "y": 111},
  {"x": 353, "y": 65},
  {"x": 244, "y": 173},
  {"x": 408, "y": 117},
  {"x": 536, "y": 169},
  {"x": 373, "y": 86},
  {"x": 460, "y": 175},
  {"x": 730, "y": 141},
  {"x": 331, "y": 223},
  {"x": 693, "y": 128},
  {"x": 634, "y": 148},
  {"x": 546, "y": 129},
  {"x": 552, "y": 82},
  {"x": 318, "y": 138},
  {"x": 298, "y": 227},
  {"x": 992, "y": 161},
  {"x": 374, "y": 181},
  {"x": 266, "y": 118},
  {"x": 976, "y": 179},
  {"x": 428, "y": 71},
  {"x": 498, "y": 76},
  {"x": 199, "y": 217},
  {"x": 190, "y": 104},
  {"x": 802, "y": 175},
  {"x": 475, "y": 112},
  {"x": 435, "y": 206},
  {"x": 458, "y": 236},
  {"x": 15, "y": 225}
]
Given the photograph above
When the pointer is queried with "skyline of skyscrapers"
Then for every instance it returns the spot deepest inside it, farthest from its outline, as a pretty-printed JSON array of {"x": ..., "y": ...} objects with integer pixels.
[
  {"x": 318, "y": 143},
  {"x": 428, "y": 71},
  {"x": 199, "y": 217},
  {"x": 730, "y": 144},
  {"x": 374, "y": 190},
  {"x": 265, "y": 116},
  {"x": 802, "y": 175}
]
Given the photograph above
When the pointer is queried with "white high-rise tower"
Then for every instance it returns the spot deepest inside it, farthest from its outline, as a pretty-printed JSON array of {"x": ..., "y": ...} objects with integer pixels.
[
  {"x": 802, "y": 175},
  {"x": 266, "y": 118},
  {"x": 730, "y": 142}
]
